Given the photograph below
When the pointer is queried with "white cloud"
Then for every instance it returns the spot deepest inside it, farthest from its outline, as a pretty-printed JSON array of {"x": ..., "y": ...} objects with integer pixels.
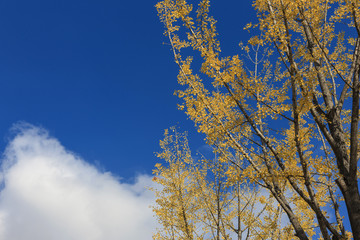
[{"x": 50, "y": 193}]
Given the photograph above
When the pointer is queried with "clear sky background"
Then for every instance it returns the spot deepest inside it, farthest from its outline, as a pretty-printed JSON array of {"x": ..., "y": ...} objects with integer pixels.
[{"x": 97, "y": 76}]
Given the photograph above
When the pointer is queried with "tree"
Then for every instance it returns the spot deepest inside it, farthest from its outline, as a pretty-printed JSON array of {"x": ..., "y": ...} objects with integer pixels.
[
  {"x": 284, "y": 119},
  {"x": 198, "y": 201}
]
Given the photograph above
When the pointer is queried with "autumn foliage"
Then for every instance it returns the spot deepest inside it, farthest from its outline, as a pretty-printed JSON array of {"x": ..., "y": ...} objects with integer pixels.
[{"x": 282, "y": 119}]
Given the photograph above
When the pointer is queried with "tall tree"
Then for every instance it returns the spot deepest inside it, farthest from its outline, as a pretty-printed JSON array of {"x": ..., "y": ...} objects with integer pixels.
[
  {"x": 290, "y": 118},
  {"x": 197, "y": 199}
]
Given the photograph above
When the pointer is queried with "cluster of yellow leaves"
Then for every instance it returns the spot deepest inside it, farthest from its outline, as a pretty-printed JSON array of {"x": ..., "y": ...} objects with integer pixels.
[
  {"x": 200, "y": 199},
  {"x": 256, "y": 114}
]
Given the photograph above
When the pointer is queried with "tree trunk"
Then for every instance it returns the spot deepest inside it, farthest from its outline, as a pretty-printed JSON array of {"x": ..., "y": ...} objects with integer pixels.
[{"x": 351, "y": 195}]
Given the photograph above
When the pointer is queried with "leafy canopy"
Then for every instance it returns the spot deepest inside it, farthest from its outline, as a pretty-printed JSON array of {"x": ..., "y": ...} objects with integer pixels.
[{"x": 282, "y": 119}]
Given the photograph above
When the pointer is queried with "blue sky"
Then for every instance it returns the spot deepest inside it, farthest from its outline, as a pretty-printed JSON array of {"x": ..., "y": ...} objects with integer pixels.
[
  {"x": 96, "y": 83},
  {"x": 96, "y": 75}
]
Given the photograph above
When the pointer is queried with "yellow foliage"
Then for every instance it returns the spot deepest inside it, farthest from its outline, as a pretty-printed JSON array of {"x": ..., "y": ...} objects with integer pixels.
[{"x": 278, "y": 125}]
